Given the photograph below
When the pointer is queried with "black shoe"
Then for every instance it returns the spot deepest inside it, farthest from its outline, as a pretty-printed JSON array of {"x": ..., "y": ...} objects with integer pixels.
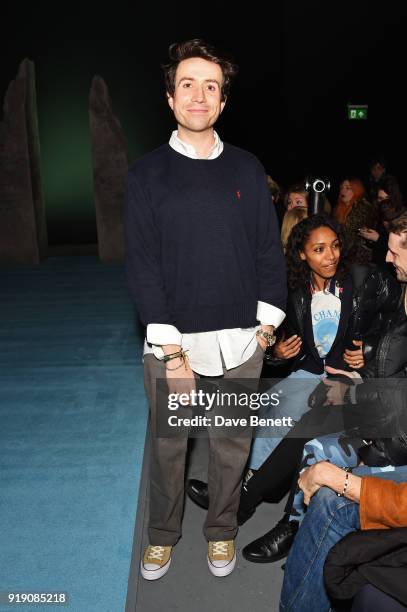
[
  {"x": 243, "y": 515},
  {"x": 197, "y": 490},
  {"x": 274, "y": 545}
]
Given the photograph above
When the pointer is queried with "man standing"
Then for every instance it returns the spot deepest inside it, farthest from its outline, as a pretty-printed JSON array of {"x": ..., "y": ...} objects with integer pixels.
[{"x": 205, "y": 267}]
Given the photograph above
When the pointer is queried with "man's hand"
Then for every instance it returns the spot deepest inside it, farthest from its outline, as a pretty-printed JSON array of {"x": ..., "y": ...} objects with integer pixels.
[
  {"x": 321, "y": 474},
  {"x": 286, "y": 349},
  {"x": 309, "y": 482},
  {"x": 355, "y": 359},
  {"x": 325, "y": 474},
  {"x": 262, "y": 341},
  {"x": 180, "y": 377}
]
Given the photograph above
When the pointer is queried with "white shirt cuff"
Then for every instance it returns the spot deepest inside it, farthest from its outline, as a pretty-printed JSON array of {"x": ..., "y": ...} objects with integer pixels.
[
  {"x": 269, "y": 315},
  {"x": 161, "y": 333}
]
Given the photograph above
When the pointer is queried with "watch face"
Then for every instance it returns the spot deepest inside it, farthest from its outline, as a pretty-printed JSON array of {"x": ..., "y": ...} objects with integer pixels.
[{"x": 271, "y": 338}]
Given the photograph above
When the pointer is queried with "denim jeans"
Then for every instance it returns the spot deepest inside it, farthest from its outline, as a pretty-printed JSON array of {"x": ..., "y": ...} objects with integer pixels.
[
  {"x": 328, "y": 519},
  {"x": 293, "y": 392}
]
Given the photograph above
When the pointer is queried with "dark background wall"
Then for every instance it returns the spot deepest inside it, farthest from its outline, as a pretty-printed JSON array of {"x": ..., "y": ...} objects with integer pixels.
[{"x": 300, "y": 65}]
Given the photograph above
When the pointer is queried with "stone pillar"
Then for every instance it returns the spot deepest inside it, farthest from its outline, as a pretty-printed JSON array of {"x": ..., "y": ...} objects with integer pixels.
[
  {"x": 23, "y": 235},
  {"x": 110, "y": 165}
]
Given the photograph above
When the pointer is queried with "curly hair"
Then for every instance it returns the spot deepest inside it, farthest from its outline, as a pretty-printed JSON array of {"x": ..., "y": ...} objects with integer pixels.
[
  {"x": 197, "y": 47},
  {"x": 298, "y": 270}
]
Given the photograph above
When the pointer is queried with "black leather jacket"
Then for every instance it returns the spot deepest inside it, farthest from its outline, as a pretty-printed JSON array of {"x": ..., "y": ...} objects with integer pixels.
[
  {"x": 370, "y": 296},
  {"x": 388, "y": 352}
]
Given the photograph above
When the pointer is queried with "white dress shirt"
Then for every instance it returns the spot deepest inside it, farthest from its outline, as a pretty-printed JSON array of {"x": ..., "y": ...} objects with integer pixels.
[{"x": 207, "y": 349}]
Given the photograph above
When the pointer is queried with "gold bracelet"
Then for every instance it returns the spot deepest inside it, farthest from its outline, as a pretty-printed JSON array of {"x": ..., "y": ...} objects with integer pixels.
[
  {"x": 173, "y": 355},
  {"x": 184, "y": 358}
]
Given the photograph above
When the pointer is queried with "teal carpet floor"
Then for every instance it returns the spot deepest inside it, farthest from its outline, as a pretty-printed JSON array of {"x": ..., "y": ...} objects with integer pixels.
[{"x": 72, "y": 428}]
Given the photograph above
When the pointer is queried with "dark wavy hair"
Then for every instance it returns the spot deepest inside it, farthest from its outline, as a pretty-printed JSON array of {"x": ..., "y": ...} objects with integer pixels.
[
  {"x": 197, "y": 47},
  {"x": 298, "y": 271},
  {"x": 390, "y": 210},
  {"x": 389, "y": 185}
]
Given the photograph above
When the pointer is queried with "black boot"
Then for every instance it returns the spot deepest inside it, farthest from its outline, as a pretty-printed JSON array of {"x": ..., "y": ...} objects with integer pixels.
[
  {"x": 197, "y": 490},
  {"x": 249, "y": 499},
  {"x": 274, "y": 544}
]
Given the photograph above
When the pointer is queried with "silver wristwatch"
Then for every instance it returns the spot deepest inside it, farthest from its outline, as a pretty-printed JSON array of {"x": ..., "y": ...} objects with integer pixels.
[{"x": 271, "y": 338}]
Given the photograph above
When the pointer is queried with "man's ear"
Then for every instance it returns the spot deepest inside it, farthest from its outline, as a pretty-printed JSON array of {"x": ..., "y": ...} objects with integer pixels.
[
  {"x": 170, "y": 101},
  {"x": 222, "y": 104}
]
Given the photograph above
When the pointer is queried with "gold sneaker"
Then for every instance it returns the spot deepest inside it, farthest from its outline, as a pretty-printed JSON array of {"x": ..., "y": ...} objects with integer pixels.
[
  {"x": 156, "y": 562},
  {"x": 221, "y": 557}
]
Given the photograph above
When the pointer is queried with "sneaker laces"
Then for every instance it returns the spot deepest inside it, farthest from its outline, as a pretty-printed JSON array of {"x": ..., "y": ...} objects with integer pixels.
[
  {"x": 156, "y": 552},
  {"x": 219, "y": 548}
]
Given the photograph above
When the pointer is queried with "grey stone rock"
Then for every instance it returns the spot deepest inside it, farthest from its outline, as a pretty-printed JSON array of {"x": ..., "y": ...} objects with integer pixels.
[
  {"x": 23, "y": 235},
  {"x": 110, "y": 165}
]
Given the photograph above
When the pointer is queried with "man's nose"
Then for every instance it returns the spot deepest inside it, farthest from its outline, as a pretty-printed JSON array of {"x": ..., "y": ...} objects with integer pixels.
[
  {"x": 389, "y": 257},
  {"x": 199, "y": 93}
]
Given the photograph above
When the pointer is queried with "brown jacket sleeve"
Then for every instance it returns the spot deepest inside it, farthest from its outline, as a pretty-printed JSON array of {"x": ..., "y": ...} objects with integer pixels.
[{"x": 383, "y": 503}]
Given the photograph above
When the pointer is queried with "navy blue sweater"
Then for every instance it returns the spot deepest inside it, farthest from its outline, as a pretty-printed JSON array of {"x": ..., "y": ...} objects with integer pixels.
[{"x": 202, "y": 240}]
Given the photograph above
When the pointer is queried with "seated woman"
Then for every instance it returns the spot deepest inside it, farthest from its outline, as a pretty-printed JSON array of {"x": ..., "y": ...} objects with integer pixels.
[
  {"x": 355, "y": 212},
  {"x": 329, "y": 309},
  {"x": 340, "y": 503},
  {"x": 389, "y": 210},
  {"x": 296, "y": 197}
]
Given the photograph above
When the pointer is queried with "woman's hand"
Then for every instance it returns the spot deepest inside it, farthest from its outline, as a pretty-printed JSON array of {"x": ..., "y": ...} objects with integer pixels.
[
  {"x": 332, "y": 370},
  {"x": 286, "y": 349},
  {"x": 369, "y": 234},
  {"x": 355, "y": 358}
]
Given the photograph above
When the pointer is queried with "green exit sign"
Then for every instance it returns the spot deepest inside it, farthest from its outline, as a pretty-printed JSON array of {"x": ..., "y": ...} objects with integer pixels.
[{"x": 357, "y": 111}]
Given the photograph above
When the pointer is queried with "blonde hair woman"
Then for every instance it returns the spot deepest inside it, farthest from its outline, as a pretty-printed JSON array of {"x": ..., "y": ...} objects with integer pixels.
[{"x": 291, "y": 218}]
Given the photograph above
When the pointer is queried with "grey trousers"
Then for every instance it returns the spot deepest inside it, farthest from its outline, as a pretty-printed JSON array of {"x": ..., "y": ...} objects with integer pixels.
[{"x": 227, "y": 460}]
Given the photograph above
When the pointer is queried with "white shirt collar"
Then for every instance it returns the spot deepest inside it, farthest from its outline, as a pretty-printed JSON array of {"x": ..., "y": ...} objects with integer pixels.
[{"x": 189, "y": 150}]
